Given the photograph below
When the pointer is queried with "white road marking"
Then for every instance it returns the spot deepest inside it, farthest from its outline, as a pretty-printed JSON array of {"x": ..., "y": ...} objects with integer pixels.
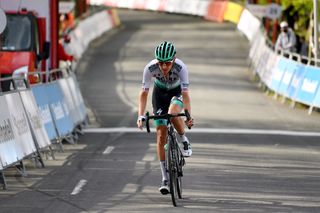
[
  {"x": 108, "y": 150},
  {"x": 79, "y": 187},
  {"x": 210, "y": 130}
]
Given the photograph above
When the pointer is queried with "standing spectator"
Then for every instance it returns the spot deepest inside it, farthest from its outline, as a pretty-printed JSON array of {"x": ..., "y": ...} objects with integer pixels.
[{"x": 287, "y": 39}]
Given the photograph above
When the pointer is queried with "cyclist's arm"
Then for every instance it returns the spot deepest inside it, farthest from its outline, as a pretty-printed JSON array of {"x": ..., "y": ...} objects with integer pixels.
[
  {"x": 186, "y": 100},
  {"x": 143, "y": 96},
  {"x": 184, "y": 78}
]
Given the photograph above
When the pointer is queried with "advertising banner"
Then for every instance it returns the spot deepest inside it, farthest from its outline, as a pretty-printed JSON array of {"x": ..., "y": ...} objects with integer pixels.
[
  {"x": 257, "y": 54},
  {"x": 263, "y": 57},
  {"x": 60, "y": 111},
  {"x": 20, "y": 126},
  {"x": 248, "y": 24},
  {"x": 309, "y": 85},
  {"x": 73, "y": 83},
  {"x": 278, "y": 72},
  {"x": 233, "y": 12},
  {"x": 153, "y": 5},
  {"x": 8, "y": 152},
  {"x": 35, "y": 119},
  {"x": 69, "y": 100},
  {"x": 316, "y": 99},
  {"x": 269, "y": 68},
  {"x": 42, "y": 100},
  {"x": 298, "y": 72}
]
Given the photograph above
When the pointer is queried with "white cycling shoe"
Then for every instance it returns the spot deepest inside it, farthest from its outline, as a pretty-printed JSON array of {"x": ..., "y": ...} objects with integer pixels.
[
  {"x": 186, "y": 149},
  {"x": 164, "y": 188}
]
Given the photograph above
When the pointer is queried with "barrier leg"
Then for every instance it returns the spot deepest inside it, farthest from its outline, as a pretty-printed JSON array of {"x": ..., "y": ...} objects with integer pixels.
[
  {"x": 310, "y": 110},
  {"x": 75, "y": 135},
  {"x": 69, "y": 138},
  {"x": 52, "y": 153},
  {"x": 38, "y": 159},
  {"x": 78, "y": 129},
  {"x": 3, "y": 180},
  {"x": 21, "y": 169}
]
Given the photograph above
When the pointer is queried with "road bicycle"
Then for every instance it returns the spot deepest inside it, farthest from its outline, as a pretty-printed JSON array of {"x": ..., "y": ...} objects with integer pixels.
[{"x": 174, "y": 157}]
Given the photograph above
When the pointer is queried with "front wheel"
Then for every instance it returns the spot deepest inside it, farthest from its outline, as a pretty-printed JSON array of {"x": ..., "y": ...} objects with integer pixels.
[{"x": 172, "y": 169}]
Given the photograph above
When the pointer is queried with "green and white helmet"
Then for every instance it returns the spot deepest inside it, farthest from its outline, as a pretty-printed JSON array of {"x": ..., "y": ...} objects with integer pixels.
[{"x": 165, "y": 51}]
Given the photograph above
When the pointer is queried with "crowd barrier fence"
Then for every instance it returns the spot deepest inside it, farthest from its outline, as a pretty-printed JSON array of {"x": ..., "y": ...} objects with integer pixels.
[{"x": 35, "y": 117}]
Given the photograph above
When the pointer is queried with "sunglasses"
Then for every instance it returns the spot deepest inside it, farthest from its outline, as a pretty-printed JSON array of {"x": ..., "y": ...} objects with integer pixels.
[{"x": 167, "y": 63}]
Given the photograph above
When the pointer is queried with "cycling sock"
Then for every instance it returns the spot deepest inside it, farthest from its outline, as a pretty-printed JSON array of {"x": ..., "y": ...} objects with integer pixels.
[{"x": 163, "y": 170}]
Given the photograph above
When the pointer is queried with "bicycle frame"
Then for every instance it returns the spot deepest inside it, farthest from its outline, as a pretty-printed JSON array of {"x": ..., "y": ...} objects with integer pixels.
[{"x": 174, "y": 158}]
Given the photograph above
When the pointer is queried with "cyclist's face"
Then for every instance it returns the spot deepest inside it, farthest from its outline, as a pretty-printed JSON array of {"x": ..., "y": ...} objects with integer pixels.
[{"x": 165, "y": 67}]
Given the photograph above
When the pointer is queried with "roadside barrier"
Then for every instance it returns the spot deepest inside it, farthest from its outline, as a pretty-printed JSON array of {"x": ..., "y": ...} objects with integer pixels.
[
  {"x": 33, "y": 118},
  {"x": 21, "y": 132},
  {"x": 216, "y": 10},
  {"x": 287, "y": 74},
  {"x": 91, "y": 28}
]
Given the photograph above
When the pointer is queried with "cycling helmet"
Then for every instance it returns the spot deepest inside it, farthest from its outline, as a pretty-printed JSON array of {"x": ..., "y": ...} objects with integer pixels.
[{"x": 165, "y": 51}]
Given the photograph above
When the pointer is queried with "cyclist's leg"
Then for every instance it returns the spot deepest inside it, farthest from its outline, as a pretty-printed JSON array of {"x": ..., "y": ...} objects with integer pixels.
[
  {"x": 160, "y": 106},
  {"x": 176, "y": 106},
  {"x": 161, "y": 141}
]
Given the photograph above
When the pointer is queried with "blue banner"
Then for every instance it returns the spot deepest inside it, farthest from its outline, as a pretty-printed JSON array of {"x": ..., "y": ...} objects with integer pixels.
[
  {"x": 277, "y": 74},
  {"x": 60, "y": 111},
  {"x": 297, "y": 79},
  {"x": 291, "y": 69},
  {"x": 39, "y": 92},
  {"x": 309, "y": 85}
]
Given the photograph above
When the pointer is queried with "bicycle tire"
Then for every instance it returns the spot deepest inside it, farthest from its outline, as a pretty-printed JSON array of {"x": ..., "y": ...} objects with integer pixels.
[
  {"x": 171, "y": 163},
  {"x": 179, "y": 172}
]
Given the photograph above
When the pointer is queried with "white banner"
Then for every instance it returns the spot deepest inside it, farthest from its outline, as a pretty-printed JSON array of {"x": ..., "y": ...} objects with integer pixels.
[
  {"x": 20, "y": 124},
  {"x": 8, "y": 152},
  {"x": 87, "y": 30},
  {"x": 35, "y": 119},
  {"x": 268, "y": 73},
  {"x": 153, "y": 5},
  {"x": 126, "y": 3},
  {"x": 248, "y": 24}
]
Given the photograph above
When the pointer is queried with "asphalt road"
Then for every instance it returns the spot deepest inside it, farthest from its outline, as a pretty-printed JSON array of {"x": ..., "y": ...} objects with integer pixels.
[{"x": 248, "y": 154}]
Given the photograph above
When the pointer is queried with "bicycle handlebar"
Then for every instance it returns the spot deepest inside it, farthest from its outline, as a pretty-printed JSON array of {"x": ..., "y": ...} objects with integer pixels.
[{"x": 166, "y": 116}]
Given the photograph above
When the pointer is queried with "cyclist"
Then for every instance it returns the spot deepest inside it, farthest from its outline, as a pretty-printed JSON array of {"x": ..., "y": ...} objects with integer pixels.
[{"x": 170, "y": 95}]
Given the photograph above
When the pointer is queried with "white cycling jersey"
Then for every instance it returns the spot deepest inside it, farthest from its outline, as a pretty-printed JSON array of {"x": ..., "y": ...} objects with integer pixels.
[{"x": 178, "y": 76}]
